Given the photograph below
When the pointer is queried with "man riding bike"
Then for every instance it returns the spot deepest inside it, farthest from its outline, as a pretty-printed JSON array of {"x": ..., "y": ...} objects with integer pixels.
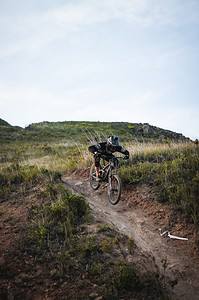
[{"x": 105, "y": 150}]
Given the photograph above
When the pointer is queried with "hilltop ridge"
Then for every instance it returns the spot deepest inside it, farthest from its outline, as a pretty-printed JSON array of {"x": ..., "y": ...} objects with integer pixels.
[
  {"x": 87, "y": 130},
  {"x": 4, "y": 123}
]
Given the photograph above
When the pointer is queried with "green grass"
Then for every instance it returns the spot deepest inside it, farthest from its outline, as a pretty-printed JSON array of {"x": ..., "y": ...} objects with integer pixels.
[
  {"x": 21, "y": 177},
  {"x": 57, "y": 220},
  {"x": 57, "y": 234},
  {"x": 171, "y": 168},
  {"x": 175, "y": 176},
  {"x": 60, "y": 157},
  {"x": 83, "y": 131}
]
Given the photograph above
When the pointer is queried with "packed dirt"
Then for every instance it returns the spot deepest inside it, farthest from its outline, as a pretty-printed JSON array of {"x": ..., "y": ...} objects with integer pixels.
[{"x": 140, "y": 216}]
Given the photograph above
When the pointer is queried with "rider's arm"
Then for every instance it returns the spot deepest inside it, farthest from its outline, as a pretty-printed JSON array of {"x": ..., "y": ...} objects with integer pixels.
[
  {"x": 95, "y": 148},
  {"x": 92, "y": 149},
  {"x": 123, "y": 151}
]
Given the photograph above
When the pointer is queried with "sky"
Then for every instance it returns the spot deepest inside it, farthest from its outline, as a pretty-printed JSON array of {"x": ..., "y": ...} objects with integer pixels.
[{"x": 101, "y": 60}]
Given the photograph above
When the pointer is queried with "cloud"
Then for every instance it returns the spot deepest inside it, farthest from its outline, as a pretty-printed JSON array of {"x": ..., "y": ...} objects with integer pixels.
[
  {"x": 143, "y": 13},
  {"x": 49, "y": 52},
  {"x": 36, "y": 30}
]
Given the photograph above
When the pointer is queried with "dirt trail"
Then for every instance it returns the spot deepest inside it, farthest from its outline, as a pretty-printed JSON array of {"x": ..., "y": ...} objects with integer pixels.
[{"x": 173, "y": 258}]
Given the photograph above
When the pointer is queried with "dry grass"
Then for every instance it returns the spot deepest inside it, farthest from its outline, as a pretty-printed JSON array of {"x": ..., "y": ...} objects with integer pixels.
[{"x": 146, "y": 148}]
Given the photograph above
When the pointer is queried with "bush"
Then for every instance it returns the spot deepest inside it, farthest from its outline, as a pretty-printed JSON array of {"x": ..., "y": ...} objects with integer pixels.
[
  {"x": 59, "y": 219},
  {"x": 15, "y": 176},
  {"x": 175, "y": 180},
  {"x": 126, "y": 278},
  {"x": 178, "y": 183}
]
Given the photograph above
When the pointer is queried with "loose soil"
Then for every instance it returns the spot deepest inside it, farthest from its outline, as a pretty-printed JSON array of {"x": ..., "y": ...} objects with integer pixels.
[{"x": 140, "y": 216}]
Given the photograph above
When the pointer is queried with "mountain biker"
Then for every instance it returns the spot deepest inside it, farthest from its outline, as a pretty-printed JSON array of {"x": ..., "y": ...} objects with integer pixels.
[{"x": 105, "y": 150}]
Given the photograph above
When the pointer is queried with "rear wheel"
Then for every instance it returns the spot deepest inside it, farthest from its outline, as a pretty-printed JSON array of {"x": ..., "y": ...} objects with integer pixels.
[
  {"x": 92, "y": 178},
  {"x": 114, "y": 189}
]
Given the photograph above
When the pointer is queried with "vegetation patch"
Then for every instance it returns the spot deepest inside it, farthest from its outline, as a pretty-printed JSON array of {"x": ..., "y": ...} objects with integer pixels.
[
  {"x": 59, "y": 235},
  {"x": 21, "y": 177},
  {"x": 57, "y": 220},
  {"x": 85, "y": 131},
  {"x": 56, "y": 244},
  {"x": 175, "y": 178}
]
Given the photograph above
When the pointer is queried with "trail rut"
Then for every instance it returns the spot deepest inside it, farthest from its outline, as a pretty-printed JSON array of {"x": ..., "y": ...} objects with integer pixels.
[{"x": 179, "y": 270}]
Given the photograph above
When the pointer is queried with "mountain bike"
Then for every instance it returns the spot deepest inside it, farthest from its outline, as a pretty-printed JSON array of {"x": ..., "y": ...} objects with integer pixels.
[{"x": 108, "y": 176}]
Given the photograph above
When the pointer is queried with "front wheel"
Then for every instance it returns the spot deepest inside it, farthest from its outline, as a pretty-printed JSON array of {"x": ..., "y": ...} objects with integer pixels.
[
  {"x": 114, "y": 189},
  {"x": 92, "y": 178}
]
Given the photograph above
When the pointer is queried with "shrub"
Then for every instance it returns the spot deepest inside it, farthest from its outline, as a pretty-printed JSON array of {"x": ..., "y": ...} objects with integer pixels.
[
  {"x": 59, "y": 219},
  {"x": 126, "y": 278},
  {"x": 175, "y": 180}
]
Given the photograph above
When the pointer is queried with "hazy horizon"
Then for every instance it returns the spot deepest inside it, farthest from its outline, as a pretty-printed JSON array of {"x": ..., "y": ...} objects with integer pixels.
[{"x": 115, "y": 61}]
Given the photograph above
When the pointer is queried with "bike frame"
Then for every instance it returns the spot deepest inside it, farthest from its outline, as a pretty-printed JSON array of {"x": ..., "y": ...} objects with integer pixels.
[
  {"x": 108, "y": 167},
  {"x": 109, "y": 176}
]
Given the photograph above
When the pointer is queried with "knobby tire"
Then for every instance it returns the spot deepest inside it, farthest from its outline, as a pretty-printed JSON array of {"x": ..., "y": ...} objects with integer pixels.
[
  {"x": 92, "y": 178},
  {"x": 114, "y": 189}
]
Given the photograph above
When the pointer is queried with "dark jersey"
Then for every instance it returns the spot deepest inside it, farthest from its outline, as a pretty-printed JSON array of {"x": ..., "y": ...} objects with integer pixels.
[{"x": 106, "y": 151}]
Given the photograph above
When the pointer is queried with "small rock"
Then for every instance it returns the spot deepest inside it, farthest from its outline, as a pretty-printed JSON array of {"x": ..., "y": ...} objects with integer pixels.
[
  {"x": 18, "y": 280},
  {"x": 93, "y": 295},
  {"x": 53, "y": 272},
  {"x": 129, "y": 258}
]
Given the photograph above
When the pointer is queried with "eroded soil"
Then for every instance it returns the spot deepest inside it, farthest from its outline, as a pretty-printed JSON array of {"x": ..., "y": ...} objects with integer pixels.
[
  {"x": 26, "y": 275},
  {"x": 140, "y": 216}
]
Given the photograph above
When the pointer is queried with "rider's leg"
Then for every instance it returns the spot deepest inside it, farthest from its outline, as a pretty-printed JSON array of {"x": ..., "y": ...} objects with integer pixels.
[
  {"x": 97, "y": 164},
  {"x": 97, "y": 170},
  {"x": 93, "y": 149}
]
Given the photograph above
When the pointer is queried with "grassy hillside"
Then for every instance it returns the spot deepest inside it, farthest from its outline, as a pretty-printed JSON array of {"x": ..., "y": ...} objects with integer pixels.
[
  {"x": 86, "y": 131},
  {"x": 56, "y": 235},
  {"x": 4, "y": 123},
  {"x": 10, "y": 133},
  {"x": 158, "y": 160},
  {"x": 172, "y": 171}
]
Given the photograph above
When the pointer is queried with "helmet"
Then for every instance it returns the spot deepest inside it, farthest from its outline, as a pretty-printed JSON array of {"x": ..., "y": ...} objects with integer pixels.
[{"x": 113, "y": 140}]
